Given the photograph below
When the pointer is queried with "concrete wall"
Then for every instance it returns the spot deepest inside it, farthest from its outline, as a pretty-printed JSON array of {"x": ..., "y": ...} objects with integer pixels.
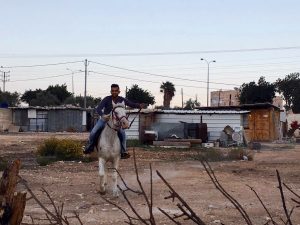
[
  {"x": 5, "y": 119},
  {"x": 224, "y": 98}
]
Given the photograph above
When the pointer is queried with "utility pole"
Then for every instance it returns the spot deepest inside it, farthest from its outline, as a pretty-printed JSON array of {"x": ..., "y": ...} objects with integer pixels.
[
  {"x": 72, "y": 71},
  {"x": 182, "y": 98},
  {"x": 207, "y": 91},
  {"x": 5, "y": 78},
  {"x": 126, "y": 92},
  {"x": 85, "y": 80}
]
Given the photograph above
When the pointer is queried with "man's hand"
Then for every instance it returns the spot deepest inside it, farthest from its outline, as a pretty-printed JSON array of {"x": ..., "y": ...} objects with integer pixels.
[
  {"x": 142, "y": 105},
  {"x": 106, "y": 117}
]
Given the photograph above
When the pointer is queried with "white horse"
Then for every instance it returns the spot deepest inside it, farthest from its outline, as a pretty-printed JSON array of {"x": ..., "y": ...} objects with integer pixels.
[{"x": 109, "y": 146}]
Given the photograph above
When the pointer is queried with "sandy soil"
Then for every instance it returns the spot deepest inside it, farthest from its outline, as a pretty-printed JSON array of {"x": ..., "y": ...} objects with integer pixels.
[{"x": 76, "y": 184}]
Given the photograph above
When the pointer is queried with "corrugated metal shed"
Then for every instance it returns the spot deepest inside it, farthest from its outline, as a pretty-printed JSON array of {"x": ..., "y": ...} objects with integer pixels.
[
  {"x": 215, "y": 122},
  {"x": 216, "y": 119},
  {"x": 51, "y": 119}
]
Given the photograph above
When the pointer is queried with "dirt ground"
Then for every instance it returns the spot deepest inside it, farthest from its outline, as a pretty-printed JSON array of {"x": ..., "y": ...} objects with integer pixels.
[{"x": 76, "y": 183}]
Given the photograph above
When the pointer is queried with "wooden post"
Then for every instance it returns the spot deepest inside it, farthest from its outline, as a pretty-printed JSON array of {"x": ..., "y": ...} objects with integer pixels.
[{"x": 12, "y": 202}]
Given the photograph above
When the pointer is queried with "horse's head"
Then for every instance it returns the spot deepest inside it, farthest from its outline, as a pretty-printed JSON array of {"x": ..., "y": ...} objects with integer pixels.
[{"x": 119, "y": 115}]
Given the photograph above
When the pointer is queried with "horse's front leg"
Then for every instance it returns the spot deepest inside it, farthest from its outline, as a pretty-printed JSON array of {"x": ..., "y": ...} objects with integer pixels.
[
  {"x": 102, "y": 176},
  {"x": 115, "y": 177}
]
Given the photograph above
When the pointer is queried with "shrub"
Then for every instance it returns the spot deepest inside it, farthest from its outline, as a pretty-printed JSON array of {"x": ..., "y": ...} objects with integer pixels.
[
  {"x": 54, "y": 149},
  {"x": 133, "y": 143},
  {"x": 3, "y": 164}
]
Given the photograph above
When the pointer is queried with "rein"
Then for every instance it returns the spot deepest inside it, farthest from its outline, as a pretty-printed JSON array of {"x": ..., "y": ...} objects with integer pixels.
[{"x": 133, "y": 118}]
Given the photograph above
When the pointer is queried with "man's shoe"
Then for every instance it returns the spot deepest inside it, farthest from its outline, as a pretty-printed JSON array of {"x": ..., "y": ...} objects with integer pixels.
[
  {"x": 88, "y": 149},
  {"x": 125, "y": 155}
]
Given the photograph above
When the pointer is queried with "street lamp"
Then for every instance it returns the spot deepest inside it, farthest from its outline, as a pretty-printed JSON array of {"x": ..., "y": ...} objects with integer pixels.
[
  {"x": 208, "y": 62},
  {"x": 72, "y": 71}
]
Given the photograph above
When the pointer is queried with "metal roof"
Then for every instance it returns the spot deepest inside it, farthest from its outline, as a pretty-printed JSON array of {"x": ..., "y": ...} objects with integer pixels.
[
  {"x": 47, "y": 107},
  {"x": 174, "y": 111}
]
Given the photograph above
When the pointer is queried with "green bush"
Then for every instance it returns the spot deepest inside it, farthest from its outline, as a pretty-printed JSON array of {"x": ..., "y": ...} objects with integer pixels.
[
  {"x": 54, "y": 149},
  {"x": 3, "y": 164},
  {"x": 133, "y": 143}
]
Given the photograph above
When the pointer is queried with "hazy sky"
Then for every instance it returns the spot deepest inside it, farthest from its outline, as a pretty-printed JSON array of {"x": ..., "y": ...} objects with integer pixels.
[{"x": 45, "y": 32}]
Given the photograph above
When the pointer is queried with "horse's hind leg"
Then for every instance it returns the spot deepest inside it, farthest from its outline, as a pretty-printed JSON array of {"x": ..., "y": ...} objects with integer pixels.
[
  {"x": 102, "y": 176},
  {"x": 115, "y": 177}
]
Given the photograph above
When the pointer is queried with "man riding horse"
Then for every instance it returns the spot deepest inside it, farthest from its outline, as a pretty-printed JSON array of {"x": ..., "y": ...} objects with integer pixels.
[{"x": 104, "y": 109}]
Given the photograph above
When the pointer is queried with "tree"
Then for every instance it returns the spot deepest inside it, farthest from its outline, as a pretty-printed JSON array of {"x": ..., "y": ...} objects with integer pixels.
[
  {"x": 139, "y": 95},
  {"x": 9, "y": 98},
  {"x": 169, "y": 91},
  {"x": 52, "y": 96},
  {"x": 289, "y": 87},
  {"x": 60, "y": 91},
  {"x": 30, "y": 95},
  {"x": 79, "y": 101},
  {"x": 191, "y": 104},
  {"x": 45, "y": 99},
  {"x": 262, "y": 92}
]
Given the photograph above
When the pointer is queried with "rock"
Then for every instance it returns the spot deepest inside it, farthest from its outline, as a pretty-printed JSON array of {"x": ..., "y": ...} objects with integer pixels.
[
  {"x": 268, "y": 218},
  {"x": 85, "y": 206},
  {"x": 217, "y": 221},
  {"x": 91, "y": 211},
  {"x": 212, "y": 207}
]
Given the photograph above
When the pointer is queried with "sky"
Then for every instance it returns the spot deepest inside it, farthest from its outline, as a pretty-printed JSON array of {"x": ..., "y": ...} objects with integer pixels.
[{"x": 123, "y": 33}]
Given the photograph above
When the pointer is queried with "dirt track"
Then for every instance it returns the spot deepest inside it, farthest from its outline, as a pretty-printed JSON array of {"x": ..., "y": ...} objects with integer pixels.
[{"x": 76, "y": 183}]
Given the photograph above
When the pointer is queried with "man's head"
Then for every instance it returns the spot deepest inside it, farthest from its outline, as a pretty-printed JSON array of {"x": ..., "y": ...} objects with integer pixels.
[{"x": 114, "y": 90}]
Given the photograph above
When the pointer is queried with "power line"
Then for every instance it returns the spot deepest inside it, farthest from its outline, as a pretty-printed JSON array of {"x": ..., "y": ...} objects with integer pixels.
[
  {"x": 40, "y": 65},
  {"x": 41, "y": 78},
  {"x": 152, "y": 53},
  {"x": 158, "y": 75},
  {"x": 149, "y": 81}
]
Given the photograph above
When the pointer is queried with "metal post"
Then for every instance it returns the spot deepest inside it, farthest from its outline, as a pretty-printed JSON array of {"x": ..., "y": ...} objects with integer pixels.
[
  {"x": 85, "y": 80},
  {"x": 5, "y": 78},
  {"x": 182, "y": 98},
  {"x": 73, "y": 83},
  {"x": 207, "y": 94}
]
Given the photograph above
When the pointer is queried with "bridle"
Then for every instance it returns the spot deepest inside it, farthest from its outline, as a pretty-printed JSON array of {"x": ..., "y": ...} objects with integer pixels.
[{"x": 114, "y": 116}]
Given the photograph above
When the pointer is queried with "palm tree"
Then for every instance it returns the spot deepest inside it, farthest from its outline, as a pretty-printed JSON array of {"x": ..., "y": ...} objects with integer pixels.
[{"x": 169, "y": 91}]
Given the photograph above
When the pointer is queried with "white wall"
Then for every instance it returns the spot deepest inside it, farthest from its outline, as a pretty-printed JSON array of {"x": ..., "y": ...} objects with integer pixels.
[
  {"x": 215, "y": 122},
  {"x": 133, "y": 132}
]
